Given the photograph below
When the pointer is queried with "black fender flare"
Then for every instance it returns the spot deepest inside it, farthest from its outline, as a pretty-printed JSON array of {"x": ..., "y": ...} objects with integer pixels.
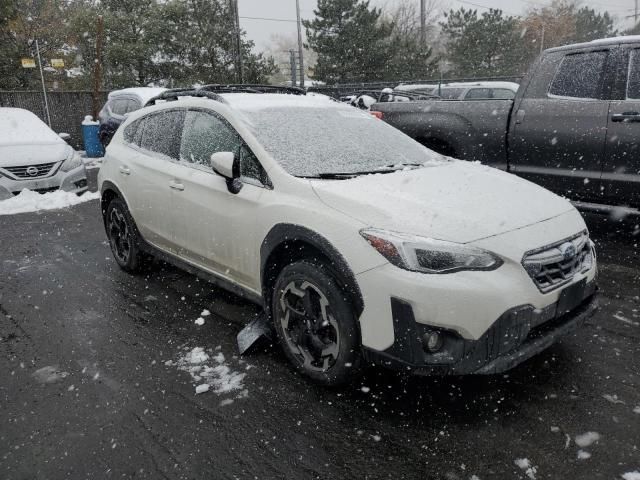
[{"x": 285, "y": 232}]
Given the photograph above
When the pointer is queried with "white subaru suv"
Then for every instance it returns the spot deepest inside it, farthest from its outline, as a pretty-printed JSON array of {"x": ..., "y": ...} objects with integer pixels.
[{"x": 362, "y": 245}]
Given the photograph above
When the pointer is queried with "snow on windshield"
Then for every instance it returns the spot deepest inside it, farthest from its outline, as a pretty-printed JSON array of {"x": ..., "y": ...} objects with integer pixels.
[
  {"x": 18, "y": 126},
  {"x": 311, "y": 141}
]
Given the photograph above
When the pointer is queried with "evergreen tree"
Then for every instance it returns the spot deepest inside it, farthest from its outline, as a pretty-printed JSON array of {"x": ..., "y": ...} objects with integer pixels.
[
  {"x": 483, "y": 45},
  {"x": 351, "y": 41},
  {"x": 591, "y": 25}
]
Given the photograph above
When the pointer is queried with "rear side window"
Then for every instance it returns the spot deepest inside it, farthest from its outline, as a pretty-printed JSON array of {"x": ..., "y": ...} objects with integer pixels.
[
  {"x": 161, "y": 132},
  {"x": 119, "y": 106},
  {"x": 204, "y": 135},
  {"x": 478, "y": 94},
  {"x": 132, "y": 105},
  {"x": 633, "y": 81},
  {"x": 448, "y": 93},
  {"x": 503, "y": 94},
  {"x": 580, "y": 76}
]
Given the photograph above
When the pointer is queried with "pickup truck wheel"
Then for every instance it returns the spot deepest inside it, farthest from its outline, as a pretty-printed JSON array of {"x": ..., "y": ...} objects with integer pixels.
[
  {"x": 123, "y": 237},
  {"x": 315, "y": 324}
]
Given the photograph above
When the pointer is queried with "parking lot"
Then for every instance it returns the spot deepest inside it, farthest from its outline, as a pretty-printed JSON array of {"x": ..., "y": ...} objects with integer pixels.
[{"x": 93, "y": 381}]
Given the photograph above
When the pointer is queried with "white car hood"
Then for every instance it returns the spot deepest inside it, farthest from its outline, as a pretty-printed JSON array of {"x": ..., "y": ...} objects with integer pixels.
[
  {"x": 19, "y": 155},
  {"x": 455, "y": 201}
]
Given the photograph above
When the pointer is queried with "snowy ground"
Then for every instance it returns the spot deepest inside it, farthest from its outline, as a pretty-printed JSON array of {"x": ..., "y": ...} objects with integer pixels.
[
  {"x": 99, "y": 371},
  {"x": 28, "y": 201}
]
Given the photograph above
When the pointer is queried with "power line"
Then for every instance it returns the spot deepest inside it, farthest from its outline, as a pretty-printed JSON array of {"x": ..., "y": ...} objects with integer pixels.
[{"x": 270, "y": 19}]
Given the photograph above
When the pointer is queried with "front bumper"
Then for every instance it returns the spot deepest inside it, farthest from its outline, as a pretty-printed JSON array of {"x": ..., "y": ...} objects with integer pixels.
[
  {"x": 516, "y": 336},
  {"x": 72, "y": 181}
]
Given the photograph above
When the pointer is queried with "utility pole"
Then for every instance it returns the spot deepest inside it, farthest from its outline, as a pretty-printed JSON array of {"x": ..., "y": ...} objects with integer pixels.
[
  {"x": 542, "y": 39},
  {"x": 635, "y": 14},
  {"x": 423, "y": 23},
  {"x": 97, "y": 70},
  {"x": 300, "y": 48},
  {"x": 238, "y": 43},
  {"x": 44, "y": 89},
  {"x": 292, "y": 61}
]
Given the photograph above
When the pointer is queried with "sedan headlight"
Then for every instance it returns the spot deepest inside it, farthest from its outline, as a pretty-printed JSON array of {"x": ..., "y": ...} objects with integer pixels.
[
  {"x": 73, "y": 161},
  {"x": 426, "y": 255}
]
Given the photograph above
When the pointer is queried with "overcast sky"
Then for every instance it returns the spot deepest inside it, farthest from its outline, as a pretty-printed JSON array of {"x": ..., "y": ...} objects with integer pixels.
[{"x": 260, "y": 31}]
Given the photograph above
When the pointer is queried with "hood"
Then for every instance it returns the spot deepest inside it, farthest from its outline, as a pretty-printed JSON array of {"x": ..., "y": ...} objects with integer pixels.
[
  {"x": 455, "y": 201},
  {"x": 34, "y": 154}
]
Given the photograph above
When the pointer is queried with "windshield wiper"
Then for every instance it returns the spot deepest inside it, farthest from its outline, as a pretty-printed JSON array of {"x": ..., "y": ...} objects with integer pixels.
[{"x": 347, "y": 175}]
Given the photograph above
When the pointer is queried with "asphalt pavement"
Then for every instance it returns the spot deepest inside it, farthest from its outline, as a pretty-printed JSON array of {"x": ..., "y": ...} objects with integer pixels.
[{"x": 95, "y": 381}]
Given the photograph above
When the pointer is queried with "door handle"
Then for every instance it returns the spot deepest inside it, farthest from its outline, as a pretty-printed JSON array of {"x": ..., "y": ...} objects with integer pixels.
[
  {"x": 626, "y": 117},
  {"x": 520, "y": 116},
  {"x": 176, "y": 186},
  {"x": 125, "y": 170}
]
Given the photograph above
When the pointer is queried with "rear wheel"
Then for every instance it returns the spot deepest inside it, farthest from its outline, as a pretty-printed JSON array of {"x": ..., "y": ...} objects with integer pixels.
[
  {"x": 123, "y": 237},
  {"x": 315, "y": 324}
]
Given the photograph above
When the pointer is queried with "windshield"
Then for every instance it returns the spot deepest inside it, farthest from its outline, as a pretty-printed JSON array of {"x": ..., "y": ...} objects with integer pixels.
[{"x": 310, "y": 142}]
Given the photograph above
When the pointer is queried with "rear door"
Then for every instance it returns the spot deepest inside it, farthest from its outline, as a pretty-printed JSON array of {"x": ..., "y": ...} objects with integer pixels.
[
  {"x": 149, "y": 171},
  {"x": 621, "y": 167},
  {"x": 558, "y": 139}
]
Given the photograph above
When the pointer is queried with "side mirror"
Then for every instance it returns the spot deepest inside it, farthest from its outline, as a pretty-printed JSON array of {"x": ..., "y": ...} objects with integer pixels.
[
  {"x": 64, "y": 136},
  {"x": 227, "y": 165}
]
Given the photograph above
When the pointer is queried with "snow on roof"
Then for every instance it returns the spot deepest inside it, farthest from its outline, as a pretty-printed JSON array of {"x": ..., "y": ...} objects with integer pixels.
[
  {"x": 144, "y": 93},
  {"x": 19, "y": 126},
  {"x": 507, "y": 85},
  {"x": 415, "y": 86},
  {"x": 262, "y": 101},
  {"x": 624, "y": 38}
]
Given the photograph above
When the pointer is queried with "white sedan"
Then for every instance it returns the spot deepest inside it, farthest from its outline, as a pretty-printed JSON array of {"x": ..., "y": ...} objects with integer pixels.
[{"x": 34, "y": 157}]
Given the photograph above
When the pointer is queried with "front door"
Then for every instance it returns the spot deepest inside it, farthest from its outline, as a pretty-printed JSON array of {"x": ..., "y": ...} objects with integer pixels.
[
  {"x": 559, "y": 139},
  {"x": 216, "y": 229}
]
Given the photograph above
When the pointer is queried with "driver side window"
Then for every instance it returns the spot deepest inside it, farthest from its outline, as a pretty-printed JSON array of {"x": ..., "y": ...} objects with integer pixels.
[{"x": 203, "y": 135}]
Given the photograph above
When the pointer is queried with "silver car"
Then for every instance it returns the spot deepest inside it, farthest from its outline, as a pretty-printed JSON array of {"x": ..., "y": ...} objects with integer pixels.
[{"x": 34, "y": 157}]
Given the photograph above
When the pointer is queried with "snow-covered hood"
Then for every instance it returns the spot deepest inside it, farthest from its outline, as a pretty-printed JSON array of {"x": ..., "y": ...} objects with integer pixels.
[
  {"x": 19, "y": 155},
  {"x": 455, "y": 201}
]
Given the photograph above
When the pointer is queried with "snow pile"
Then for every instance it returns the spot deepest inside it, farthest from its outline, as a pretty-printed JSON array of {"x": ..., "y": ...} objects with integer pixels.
[
  {"x": 529, "y": 469},
  {"x": 631, "y": 476},
  {"x": 28, "y": 201},
  {"x": 199, "y": 321},
  {"x": 211, "y": 372},
  {"x": 587, "y": 439}
]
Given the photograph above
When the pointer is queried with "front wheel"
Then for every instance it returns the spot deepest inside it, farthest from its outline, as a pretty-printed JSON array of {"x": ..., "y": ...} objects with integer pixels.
[{"x": 315, "y": 324}]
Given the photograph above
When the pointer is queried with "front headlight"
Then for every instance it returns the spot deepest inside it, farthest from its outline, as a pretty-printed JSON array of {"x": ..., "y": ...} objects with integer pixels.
[
  {"x": 426, "y": 255},
  {"x": 74, "y": 161}
]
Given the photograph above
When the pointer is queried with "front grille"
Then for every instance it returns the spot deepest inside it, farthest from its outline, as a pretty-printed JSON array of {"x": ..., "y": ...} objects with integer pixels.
[
  {"x": 555, "y": 265},
  {"x": 29, "y": 172}
]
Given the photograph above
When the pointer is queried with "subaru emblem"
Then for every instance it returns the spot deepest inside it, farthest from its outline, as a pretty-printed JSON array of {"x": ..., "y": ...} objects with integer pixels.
[
  {"x": 568, "y": 250},
  {"x": 32, "y": 171}
]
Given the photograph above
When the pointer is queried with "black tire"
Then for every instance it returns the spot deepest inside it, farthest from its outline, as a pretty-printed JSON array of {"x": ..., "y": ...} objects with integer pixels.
[
  {"x": 124, "y": 238},
  {"x": 315, "y": 324}
]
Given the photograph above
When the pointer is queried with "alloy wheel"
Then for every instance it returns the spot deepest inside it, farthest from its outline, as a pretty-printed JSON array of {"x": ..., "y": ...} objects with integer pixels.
[{"x": 310, "y": 330}]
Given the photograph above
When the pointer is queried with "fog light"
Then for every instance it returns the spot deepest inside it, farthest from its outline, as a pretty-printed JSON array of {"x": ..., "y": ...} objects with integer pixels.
[{"x": 432, "y": 341}]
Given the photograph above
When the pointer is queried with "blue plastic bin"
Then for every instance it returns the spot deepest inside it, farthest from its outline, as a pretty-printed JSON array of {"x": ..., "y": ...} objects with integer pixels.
[{"x": 92, "y": 145}]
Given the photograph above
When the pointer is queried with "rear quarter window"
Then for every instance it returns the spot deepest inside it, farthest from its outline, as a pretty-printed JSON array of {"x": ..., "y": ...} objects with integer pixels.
[{"x": 580, "y": 76}]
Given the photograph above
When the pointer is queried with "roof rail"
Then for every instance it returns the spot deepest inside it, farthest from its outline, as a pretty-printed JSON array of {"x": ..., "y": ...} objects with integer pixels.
[
  {"x": 175, "y": 93},
  {"x": 248, "y": 88}
]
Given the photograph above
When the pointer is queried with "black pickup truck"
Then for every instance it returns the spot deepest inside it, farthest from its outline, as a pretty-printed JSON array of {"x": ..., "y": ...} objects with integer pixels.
[{"x": 574, "y": 126}]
